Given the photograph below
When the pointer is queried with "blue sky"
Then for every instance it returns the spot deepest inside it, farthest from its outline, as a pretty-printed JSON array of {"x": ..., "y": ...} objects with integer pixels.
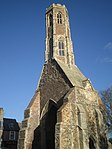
[{"x": 22, "y": 45}]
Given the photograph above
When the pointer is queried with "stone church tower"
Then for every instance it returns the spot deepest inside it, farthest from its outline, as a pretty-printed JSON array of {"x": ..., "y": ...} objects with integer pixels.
[{"x": 65, "y": 111}]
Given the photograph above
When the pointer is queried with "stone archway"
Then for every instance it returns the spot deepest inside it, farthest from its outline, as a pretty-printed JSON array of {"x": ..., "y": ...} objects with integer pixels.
[
  {"x": 44, "y": 135},
  {"x": 48, "y": 122}
]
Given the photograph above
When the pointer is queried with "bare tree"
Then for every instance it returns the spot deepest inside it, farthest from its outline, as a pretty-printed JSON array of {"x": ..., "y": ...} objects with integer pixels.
[{"x": 106, "y": 97}]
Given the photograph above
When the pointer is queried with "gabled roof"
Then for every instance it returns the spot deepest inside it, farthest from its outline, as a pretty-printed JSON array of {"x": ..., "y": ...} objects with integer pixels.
[
  {"x": 10, "y": 125},
  {"x": 73, "y": 74}
]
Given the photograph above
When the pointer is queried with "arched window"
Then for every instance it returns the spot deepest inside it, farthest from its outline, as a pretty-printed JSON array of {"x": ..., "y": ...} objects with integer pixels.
[
  {"x": 61, "y": 48},
  {"x": 91, "y": 143},
  {"x": 59, "y": 18}
]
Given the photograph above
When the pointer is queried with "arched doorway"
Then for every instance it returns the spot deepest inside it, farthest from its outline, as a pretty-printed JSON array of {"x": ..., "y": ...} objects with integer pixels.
[
  {"x": 44, "y": 134},
  {"x": 91, "y": 144}
]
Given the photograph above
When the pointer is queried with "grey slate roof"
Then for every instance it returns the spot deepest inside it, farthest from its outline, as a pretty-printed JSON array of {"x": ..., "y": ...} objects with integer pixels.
[{"x": 73, "y": 74}]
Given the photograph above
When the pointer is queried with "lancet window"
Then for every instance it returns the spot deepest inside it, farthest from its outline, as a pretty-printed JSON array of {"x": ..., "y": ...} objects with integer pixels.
[{"x": 50, "y": 20}]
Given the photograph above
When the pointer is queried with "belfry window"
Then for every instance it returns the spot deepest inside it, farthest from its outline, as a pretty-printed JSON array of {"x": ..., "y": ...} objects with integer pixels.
[
  {"x": 61, "y": 48},
  {"x": 59, "y": 18}
]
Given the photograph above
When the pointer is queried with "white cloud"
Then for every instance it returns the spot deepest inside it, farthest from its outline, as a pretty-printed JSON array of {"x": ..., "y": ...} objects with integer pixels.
[
  {"x": 106, "y": 54},
  {"x": 106, "y": 60},
  {"x": 108, "y": 46}
]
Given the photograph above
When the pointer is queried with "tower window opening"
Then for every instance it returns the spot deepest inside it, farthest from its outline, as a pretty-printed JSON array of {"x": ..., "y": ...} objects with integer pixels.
[
  {"x": 50, "y": 20},
  {"x": 50, "y": 48},
  {"x": 61, "y": 52},
  {"x": 59, "y": 18},
  {"x": 61, "y": 48},
  {"x": 61, "y": 45}
]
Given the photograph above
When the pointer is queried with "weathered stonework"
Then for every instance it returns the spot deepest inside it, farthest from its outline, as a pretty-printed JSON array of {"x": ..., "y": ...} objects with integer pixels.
[
  {"x": 56, "y": 32},
  {"x": 65, "y": 112},
  {"x": 53, "y": 84},
  {"x": 30, "y": 122}
]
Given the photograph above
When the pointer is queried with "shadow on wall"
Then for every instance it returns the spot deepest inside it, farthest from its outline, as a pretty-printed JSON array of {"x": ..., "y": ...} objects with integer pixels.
[{"x": 46, "y": 130}]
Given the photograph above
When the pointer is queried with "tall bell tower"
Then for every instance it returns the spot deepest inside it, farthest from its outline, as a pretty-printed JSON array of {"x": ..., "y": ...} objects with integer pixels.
[
  {"x": 58, "y": 37},
  {"x": 65, "y": 112}
]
